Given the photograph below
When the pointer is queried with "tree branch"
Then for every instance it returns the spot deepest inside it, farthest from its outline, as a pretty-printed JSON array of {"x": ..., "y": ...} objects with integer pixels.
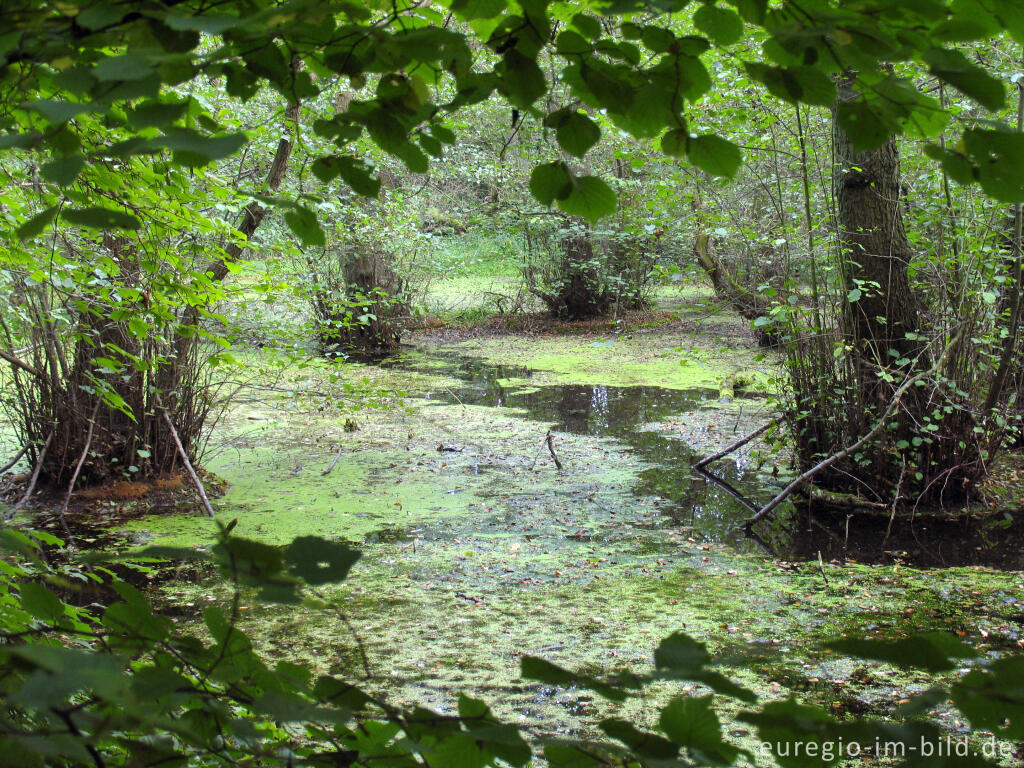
[
  {"x": 17, "y": 362},
  {"x": 879, "y": 426}
]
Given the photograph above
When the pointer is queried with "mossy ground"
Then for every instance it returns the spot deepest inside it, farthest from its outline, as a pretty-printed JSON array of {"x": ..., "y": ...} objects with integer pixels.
[
  {"x": 477, "y": 549},
  {"x": 699, "y": 349}
]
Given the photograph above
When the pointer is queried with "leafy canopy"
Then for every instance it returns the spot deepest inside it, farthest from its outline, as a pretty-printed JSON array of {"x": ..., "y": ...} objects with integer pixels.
[{"x": 89, "y": 83}]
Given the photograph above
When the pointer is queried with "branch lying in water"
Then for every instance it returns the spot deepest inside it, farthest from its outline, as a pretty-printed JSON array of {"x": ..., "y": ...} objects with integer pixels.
[{"x": 879, "y": 426}]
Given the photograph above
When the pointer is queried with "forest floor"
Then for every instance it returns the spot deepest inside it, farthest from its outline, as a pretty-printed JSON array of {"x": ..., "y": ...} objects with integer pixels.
[{"x": 478, "y": 549}]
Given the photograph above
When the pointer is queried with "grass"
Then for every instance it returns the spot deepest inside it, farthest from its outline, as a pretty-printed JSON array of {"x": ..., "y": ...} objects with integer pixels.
[{"x": 481, "y": 253}]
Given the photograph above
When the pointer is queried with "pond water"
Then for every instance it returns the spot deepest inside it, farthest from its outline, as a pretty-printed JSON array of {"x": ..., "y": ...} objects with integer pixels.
[
  {"x": 477, "y": 549},
  {"x": 716, "y": 504}
]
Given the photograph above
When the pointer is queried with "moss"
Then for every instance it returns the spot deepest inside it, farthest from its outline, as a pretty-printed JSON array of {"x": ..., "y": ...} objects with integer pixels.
[{"x": 628, "y": 361}]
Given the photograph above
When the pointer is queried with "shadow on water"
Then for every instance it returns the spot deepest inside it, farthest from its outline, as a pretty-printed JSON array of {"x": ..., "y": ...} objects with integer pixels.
[{"x": 715, "y": 511}]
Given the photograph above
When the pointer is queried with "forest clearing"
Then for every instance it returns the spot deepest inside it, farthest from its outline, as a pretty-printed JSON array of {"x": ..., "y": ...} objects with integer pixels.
[{"x": 510, "y": 382}]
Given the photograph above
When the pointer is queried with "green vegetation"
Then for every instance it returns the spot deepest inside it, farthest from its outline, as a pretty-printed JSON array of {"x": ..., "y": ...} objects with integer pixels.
[{"x": 356, "y": 355}]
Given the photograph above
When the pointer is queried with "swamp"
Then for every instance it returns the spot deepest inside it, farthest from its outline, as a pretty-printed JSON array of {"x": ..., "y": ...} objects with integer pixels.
[{"x": 512, "y": 383}]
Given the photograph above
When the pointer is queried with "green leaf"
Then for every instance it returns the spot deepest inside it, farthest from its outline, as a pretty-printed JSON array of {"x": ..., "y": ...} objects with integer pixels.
[
  {"x": 715, "y": 155},
  {"x": 353, "y": 172},
  {"x": 520, "y": 79},
  {"x": 98, "y": 217},
  {"x": 443, "y": 133},
  {"x": 413, "y": 157},
  {"x": 99, "y": 16},
  {"x": 152, "y": 114},
  {"x": 998, "y": 157},
  {"x": 752, "y": 11},
  {"x": 692, "y": 723},
  {"x": 588, "y": 26},
  {"x": 658, "y": 39},
  {"x": 968, "y": 78},
  {"x": 808, "y": 85},
  {"x": 571, "y": 754},
  {"x": 430, "y": 145},
  {"x": 469, "y": 10},
  {"x": 62, "y": 171},
  {"x": 590, "y": 198},
  {"x": 867, "y": 128},
  {"x": 720, "y": 24},
  {"x": 340, "y": 693},
  {"x": 18, "y": 140},
  {"x": 57, "y": 110},
  {"x": 932, "y": 651},
  {"x": 680, "y": 653},
  {"x": 304, "y": 224},
  {"x": 251, "y": 562},
  {"x": 192, "y": 149},
  {"x": 675, "y": 142},
  {"x": 319, "y": 561},
  {"x": 503, "y": 741},
  {"x": 35, "y": 225},
  {"x": 993, "y": 698},
  {"x": 130, "y": 66},
  {"x": 570, "y": 44},
  {"x": 577, "y": 133},
  {"x": 854, "y": 295},
  {"x": 210, "y": 23},
  {"x": 40, "y": 602},
  {"x": 550, "y": 182},
  {"x": 140, "y": 330},
  {"x": 133, "y": 621},
  {"x": 647, "y": 745},
  {"x": 680, "y": 657},
  {"x": 787, "y": 725}
]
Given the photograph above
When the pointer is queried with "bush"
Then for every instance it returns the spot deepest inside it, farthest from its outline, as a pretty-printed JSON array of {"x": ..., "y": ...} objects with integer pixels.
[{"x": 579, "y": 273}]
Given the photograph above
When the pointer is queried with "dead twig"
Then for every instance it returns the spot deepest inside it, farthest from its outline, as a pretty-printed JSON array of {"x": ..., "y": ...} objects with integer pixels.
[
  {"x": 821, "y": 567},
  {"x": 337, "y": 458},
  {"x": 895, "y": 503},
  {"x": 19, "y": 363},
  {"x": 32, "y": 481},
  {"x": 74, "y": 476},
  {"x": 550, "y": 441},
  {"x": 184, "y": 458},
  {"x": 14, "y": 461}
]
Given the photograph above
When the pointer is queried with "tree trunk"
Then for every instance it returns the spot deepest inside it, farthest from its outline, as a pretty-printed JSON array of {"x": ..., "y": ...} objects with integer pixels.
[
  {"x": 922, "y": 448},
  {"x": 750, "y": 304},
  {"x": 875, "y": 250}
]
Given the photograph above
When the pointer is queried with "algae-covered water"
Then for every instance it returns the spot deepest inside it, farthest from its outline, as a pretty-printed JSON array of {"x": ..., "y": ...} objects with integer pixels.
[{"x": 478, "y": 548}]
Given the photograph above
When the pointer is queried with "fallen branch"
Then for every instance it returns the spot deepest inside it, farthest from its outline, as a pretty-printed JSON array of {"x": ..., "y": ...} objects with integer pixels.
[
  {"x": 184, "y": 457},
  {"x": 551, "y": 448},
  {"x": 14, "y": 461},
  {"x": 32, "y": 481},
  {"x": 337, "y": 458},
  {"x": 738, "y": 444},
  {"x": 844, "y": 500},
  {"x": 879, "y": 426}
]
